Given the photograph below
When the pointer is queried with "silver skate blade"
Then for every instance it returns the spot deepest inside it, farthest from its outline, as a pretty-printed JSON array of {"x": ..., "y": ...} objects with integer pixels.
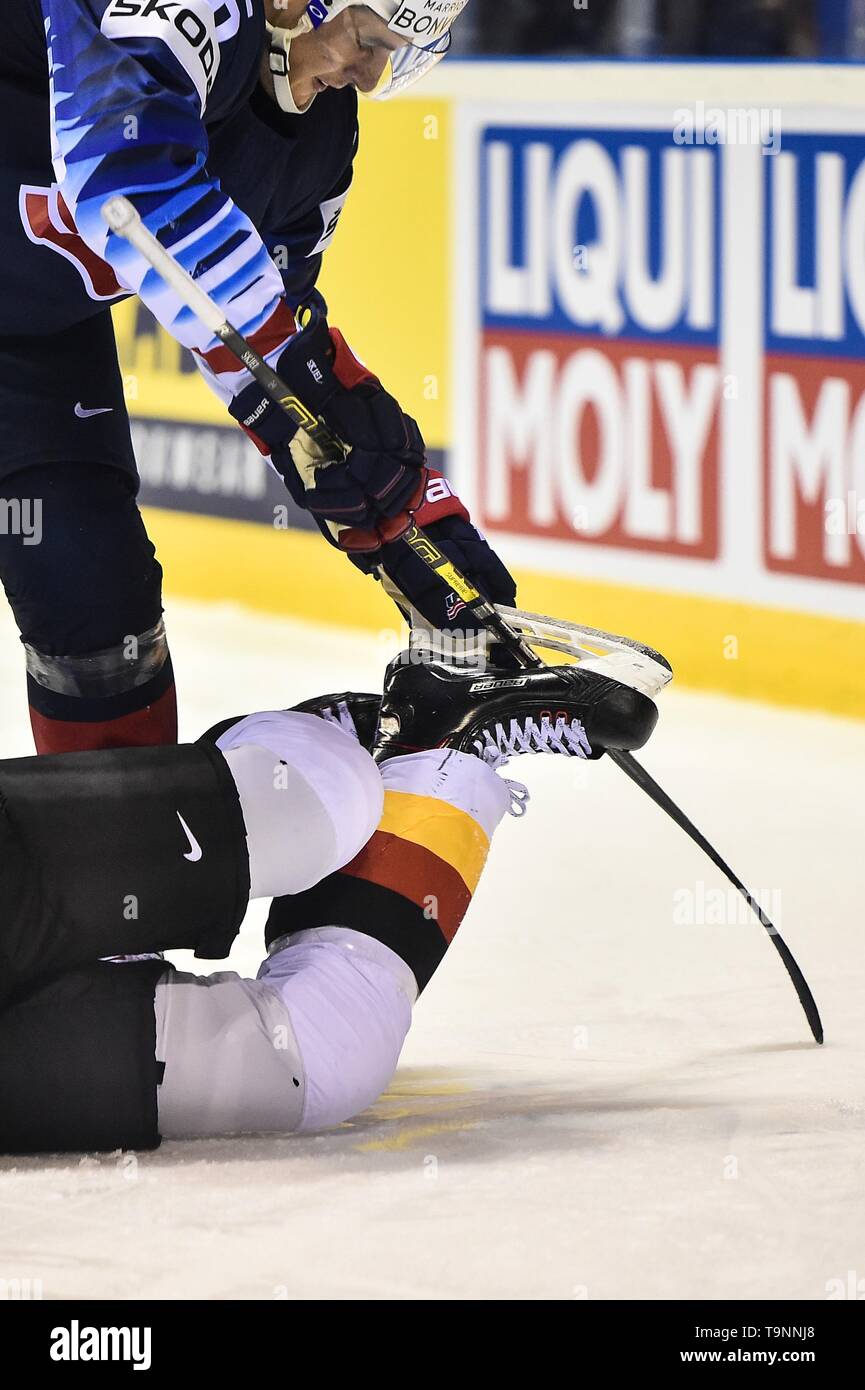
[{"x": 622, "y": 658}]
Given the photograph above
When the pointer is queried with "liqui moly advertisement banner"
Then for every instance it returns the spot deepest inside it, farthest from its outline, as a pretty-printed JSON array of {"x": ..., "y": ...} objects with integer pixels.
[
  {"x": 814, "y": 304},
  {"x": 660, "y": 337}
]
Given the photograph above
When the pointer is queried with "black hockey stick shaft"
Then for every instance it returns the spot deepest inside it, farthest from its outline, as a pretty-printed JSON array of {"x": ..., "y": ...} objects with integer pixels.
[
  {"x": 638, "y": 774},
  {"x": 123, "y": 218}
]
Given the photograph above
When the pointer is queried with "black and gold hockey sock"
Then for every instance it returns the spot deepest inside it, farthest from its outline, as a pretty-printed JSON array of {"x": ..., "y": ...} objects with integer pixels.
[{"x": 412, "y": 883}]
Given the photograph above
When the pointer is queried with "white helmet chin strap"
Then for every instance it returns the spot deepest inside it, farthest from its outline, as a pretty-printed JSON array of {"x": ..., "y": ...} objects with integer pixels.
[{"x": 280, "y": 51}]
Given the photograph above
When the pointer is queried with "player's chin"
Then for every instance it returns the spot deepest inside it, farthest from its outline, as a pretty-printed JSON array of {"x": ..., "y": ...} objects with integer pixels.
[{"x": 366, "y": 85}]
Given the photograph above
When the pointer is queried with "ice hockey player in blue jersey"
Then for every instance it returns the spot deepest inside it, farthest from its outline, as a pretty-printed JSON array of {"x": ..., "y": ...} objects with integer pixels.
[{"x": 232, "y": 127}]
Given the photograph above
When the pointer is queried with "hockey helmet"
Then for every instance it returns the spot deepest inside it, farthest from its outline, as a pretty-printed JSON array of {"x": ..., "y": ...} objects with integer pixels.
[{"x": 426, "y": 24}]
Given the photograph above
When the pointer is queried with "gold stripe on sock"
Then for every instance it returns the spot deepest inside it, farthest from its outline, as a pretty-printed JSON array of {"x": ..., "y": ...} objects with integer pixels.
[{"x": 442, "y": 829}]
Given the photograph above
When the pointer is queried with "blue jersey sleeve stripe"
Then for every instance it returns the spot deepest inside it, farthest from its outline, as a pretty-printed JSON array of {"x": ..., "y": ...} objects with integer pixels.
[{"x": 126, "y": 119}]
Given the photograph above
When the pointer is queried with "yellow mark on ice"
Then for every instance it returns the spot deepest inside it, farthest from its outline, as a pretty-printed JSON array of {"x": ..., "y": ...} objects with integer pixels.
[
  {"x": 405, "y": 1089},
  {"x": 407, "y": 1137}
]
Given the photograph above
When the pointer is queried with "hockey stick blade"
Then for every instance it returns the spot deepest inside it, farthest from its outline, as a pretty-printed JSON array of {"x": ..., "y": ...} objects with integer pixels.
[{"x": 638, "y": 774}]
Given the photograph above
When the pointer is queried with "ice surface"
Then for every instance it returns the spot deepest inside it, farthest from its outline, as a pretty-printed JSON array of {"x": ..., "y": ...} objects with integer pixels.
[{"x": 594, "y": 1101}]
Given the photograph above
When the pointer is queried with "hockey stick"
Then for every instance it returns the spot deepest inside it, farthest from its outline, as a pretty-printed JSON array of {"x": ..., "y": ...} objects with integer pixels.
[
  {"x": 645, "y": 669},
  {"x": 123, "y": 218},
  {"x": 638, "y": 774}
]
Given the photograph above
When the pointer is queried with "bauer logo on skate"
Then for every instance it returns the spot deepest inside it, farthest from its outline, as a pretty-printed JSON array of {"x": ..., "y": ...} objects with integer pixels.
[{"x": 599, "y": 382}]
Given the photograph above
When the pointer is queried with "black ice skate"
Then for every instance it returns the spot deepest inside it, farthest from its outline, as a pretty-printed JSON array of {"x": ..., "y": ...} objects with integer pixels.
[
  {"x": 354, "y": 712},
  {"x": 498, "y": 713}
]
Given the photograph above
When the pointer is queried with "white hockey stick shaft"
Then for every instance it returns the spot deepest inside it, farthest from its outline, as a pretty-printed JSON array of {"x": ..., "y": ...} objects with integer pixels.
[{"x": 125, "y": 220}]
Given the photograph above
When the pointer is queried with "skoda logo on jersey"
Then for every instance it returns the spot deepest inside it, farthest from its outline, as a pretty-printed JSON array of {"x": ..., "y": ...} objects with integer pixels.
[{"x": 186, "y": 27}]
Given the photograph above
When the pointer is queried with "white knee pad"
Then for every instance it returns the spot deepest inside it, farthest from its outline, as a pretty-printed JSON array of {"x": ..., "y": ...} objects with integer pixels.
[
  {"x": 310, "y": 1043},
  {"x": 311, "y": 797},
  {"x": 350, "y": 1001}
]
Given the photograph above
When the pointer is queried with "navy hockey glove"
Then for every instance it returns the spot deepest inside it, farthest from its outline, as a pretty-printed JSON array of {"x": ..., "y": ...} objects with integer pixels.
[
  {"x": 365, "y": 498},
  {"x": 413, "y": 585}
]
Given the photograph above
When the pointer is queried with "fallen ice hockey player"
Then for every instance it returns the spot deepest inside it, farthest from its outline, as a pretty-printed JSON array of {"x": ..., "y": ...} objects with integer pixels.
[
  {"x": 235, "y": 141},
  {"x": 371, "y": 861}
]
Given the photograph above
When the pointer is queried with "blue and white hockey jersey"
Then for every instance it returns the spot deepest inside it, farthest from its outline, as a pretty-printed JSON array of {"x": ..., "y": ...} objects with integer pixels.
[{"x": 160, "y": 100}]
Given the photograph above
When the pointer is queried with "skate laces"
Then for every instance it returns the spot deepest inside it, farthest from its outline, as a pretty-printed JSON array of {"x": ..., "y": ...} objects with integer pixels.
[
  {"x": 517, "y": 791},
  {"x": 342, "y": 716},
  {"x": 520, "y": 797},
  {"x": 498, "y": 744}
]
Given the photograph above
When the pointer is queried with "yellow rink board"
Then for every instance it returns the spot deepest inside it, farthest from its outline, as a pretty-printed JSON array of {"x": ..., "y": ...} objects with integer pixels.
[
  {"x": 387, "y": 275},
  {"x": 788, "y": 658}
]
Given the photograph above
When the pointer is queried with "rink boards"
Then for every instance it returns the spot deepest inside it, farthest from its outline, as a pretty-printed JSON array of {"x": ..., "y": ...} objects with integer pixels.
[{"x": 627, "y": 306}]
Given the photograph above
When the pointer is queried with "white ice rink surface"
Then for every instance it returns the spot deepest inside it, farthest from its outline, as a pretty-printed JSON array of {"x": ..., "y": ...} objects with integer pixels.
[{"x": 593, "y": 1102}]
